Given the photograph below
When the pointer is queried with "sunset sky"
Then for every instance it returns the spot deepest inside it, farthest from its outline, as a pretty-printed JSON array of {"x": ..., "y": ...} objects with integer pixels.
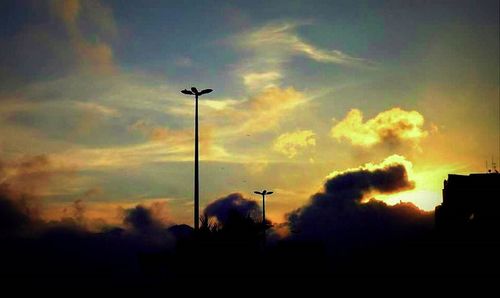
[{"x": 91, "y": 109}]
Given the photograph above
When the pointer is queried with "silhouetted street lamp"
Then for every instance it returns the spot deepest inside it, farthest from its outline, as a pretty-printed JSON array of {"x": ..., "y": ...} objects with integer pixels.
[
  {"x": 263, "y": 194},
  {"x": 196, "y": 93}
]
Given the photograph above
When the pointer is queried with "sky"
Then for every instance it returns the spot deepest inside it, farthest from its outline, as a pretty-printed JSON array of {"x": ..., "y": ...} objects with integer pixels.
[{"x": 91, "y": 109}]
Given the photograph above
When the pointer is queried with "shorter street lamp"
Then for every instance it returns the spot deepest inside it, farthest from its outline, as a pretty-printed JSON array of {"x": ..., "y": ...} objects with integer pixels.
[{"x": 263, "y": 194}]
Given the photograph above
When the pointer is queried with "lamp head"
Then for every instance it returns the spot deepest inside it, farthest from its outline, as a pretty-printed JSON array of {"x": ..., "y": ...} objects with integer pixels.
[{"x": 206, "y": 91}]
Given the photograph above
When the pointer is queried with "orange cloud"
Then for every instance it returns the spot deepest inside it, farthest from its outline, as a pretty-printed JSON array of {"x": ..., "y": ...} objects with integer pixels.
[
  {"x": 391, "y": 126},
  {"x": 67, "y": 10},
  {"x": 96, "y": 57},
  {"x": 25, "y": 180},
  {"x": 32, "y": 175},
  {"x": 95, "y": 215},
  {"x": 181, "y": 139},
  {"x": 158, "y": 133}
]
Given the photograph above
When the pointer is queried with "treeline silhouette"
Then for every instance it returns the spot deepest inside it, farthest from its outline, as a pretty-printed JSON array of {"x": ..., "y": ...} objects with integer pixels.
[{"x": 334, "y": 234}]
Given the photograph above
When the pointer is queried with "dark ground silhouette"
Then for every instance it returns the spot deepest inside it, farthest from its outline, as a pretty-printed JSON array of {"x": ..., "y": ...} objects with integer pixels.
[{"x": 335, "y": 234}]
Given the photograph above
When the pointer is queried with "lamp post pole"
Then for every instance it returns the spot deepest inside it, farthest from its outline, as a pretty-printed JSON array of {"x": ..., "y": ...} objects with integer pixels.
[
  {"x": 196, "y": 94},
  {"x": 196, "y": 170},
  {"x": 263, "y": 209},
  {"x": 263, "y": 194}
]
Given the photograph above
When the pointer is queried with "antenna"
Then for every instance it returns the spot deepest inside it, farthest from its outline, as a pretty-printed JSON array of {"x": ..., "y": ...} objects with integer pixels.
[{"x": 493, "y": 165}]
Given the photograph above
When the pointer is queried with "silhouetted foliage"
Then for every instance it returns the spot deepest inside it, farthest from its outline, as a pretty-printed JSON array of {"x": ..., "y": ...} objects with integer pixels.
[
  {"x": 334, "y": 234},
  {"x": 12, "y": 219}
]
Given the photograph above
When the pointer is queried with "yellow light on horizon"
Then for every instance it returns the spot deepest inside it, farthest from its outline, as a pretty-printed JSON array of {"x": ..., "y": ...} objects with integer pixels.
[
  {"x": 424, "y": 199},
  {"x": 428, "y": 188}
]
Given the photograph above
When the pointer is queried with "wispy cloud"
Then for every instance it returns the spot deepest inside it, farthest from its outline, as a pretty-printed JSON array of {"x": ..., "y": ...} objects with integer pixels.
[
  {"x": 96, "y": 108},
  {"x": 257, "y": 81},
  {"x": 280, "y": 40},
  {"x": 184, "y": 61},
  {"x": 271, "y": 46},
  {"x": 262, "y": 112}
]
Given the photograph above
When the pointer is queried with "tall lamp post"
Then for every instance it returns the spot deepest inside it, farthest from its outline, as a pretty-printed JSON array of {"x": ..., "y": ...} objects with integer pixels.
[
  {"x": 196, "y": 94},
  {"x": 263, "y": 194}
]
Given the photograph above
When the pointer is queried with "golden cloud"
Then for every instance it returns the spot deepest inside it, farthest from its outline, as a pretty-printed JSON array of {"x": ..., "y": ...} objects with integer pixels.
[
  {"x": 391, "y": 126},
  {"x": 256, "y": 114},
  {"x": 291, "y": 143},
  {"x": 389, "y": 161},
  {"x": 262, "y": 80},
  {"x": 267, "y": 109}
]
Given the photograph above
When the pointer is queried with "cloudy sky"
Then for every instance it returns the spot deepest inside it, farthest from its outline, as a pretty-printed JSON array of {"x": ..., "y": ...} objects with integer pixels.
[{"x": 90, "y": 107}]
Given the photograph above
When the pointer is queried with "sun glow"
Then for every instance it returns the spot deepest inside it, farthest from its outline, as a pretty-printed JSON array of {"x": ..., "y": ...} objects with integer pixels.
[{"x": 428, "y": 188}]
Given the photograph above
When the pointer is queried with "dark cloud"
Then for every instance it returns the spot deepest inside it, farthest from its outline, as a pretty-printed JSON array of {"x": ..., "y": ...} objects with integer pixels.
[
  {"x": 352, "y": 186},
  {"x": 339, "y": 215},
  {"x": 141, "y": 218},
  {"x": 147, "y": 226},
  {"x": 12, "y": 218},
  {"x": 223, "y": 209},
  {"x": 68, "y": 247},
  {"x": 341, "y": 230},
  {"x": 21, "y": 182},
  {"x": 79, "y": 209}
]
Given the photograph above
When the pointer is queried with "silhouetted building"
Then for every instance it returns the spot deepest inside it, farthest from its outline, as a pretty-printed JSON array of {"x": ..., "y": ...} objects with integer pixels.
[{"x": 471, "y": 205}]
